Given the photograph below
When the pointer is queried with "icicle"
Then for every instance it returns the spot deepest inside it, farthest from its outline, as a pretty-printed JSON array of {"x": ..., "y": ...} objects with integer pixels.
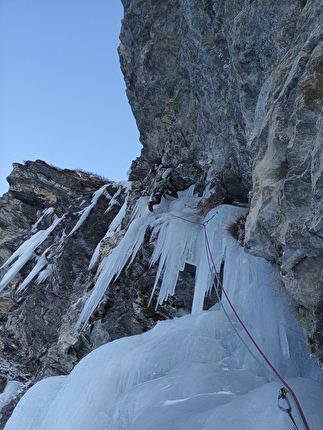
[
  {"x": 140, "y": 208},
  {"x": 44, "y": 274},
  {"x": 122, "y": 186},
  {"x": 115, "y": 224},
  {"x": 203, "y": 278},
  {"x": 176, "y": 245},
  {"x": 215, "y": 221},
  {"x": 25, "y": 252},
  {"x": 9, "y": 393},
  {"x": 45, "y": 213},
  {"x": 41, "y": 263},
  {"x": 85, "y": 212},
  {"x": 95, "y": 256},
  {"x": 112, "y": 265}
]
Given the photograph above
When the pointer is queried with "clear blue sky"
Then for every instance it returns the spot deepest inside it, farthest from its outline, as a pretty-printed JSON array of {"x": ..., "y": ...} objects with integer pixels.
[{"x": 62, "y": 93}]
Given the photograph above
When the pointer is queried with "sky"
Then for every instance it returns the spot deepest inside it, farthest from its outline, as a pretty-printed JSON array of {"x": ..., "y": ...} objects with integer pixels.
[{"x": 62, "y": 93}]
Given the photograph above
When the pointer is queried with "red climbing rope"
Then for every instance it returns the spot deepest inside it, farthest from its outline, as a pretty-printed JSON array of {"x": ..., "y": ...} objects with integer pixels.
[
  {"x": 249, "y": 334},
  {"x": 277, "y": 374}
]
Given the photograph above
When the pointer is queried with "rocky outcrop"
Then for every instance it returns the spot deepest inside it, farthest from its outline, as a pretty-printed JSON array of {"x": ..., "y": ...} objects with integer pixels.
[
  {"x": 52, "y": 221},
  {"x": 38, "y": 313},
  {"x": 229, "y": 94}
]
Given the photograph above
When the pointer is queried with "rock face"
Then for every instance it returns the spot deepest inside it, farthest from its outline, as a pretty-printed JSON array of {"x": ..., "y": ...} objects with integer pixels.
[
  {"x": 36, "y": 317},
  {"x": 230, "y": 94},
  {"x": 59, "y": 218}
]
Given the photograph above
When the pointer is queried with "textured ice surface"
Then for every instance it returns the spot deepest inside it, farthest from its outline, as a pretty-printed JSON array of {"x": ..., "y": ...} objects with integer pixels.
[
  {"x": 25, "y": 252},
  {"x": 193, "y": 372},
  {"x": 199, "y": 371},
  {"x": 179, "y": 375}
]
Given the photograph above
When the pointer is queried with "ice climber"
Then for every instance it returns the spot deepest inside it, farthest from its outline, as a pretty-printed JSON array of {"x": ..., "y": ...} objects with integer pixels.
[{"x": 162, "y": 185}]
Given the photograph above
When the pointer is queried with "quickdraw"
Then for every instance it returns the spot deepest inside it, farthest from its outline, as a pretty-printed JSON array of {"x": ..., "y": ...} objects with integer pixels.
[{"x": 283, "y": 396}]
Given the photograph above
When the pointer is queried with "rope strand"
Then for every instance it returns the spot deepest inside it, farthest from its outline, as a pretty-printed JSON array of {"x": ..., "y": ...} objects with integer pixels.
[
  {"x": 251, "y": 337},
  {"x": 267, "y": 361}
]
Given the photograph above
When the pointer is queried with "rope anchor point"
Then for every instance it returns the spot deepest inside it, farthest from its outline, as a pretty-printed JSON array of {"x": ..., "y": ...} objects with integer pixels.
[{"x": 282, "y": 395}]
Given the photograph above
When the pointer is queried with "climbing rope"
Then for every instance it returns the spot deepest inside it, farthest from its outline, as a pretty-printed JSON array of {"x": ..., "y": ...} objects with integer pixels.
[
  {"x": 286, "y": 387},
  {"x": 233, "y": 326},
  {"x": 276, "y": 373},
  {"x": 283, "y": 391}
]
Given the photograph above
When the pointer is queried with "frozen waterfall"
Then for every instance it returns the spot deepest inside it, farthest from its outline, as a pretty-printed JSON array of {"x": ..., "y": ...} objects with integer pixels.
[{"x": 197, "y": 372}]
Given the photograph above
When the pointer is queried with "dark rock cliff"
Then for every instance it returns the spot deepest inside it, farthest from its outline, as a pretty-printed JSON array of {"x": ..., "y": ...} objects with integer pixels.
[
  {"x": 227, "y": 93},
  {"x": 230, "y": 93},
  {"x": 39, "y": 308}
]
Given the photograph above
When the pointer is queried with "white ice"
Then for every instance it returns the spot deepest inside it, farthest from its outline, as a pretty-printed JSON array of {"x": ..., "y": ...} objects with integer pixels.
[
  {"x": 200, "y": 371},
  {"x": 45, "y": 213},
  {"x": 179, "y": 375},
  {"x": 41, "y": 263},
  {"x": 117, "y": 220},
  {"x": 84, "y": 213},
  {"x": 176, "y": 243},
  {"x": 44, "y": 274},
  {"x": 25, "y": 252},
  {"x": 111, "y": 267},
  {"x": 12, "y": 388}
]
